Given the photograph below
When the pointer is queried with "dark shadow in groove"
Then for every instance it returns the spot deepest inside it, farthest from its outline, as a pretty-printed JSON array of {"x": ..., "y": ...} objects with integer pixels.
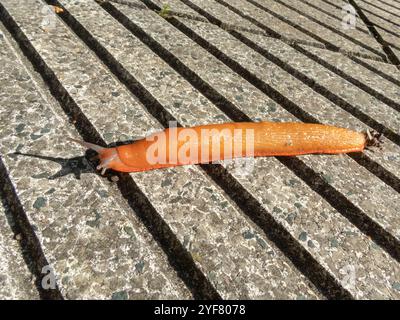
[
  {"x": 178, "y": 257},
  {"x": 31, "y": 250},
  {"x": 386, "y": 48},
  {"x": 320, "y": 277}
]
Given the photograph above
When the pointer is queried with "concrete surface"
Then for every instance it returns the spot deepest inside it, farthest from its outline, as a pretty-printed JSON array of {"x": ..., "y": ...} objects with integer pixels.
[
  {"x": 121, "y": 70},
  {"x": 93, "y": 242},
  {"x": 16, "y": 282}
]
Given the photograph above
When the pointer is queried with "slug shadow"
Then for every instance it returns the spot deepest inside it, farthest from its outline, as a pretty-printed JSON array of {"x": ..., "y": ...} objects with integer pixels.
[{"x": 76, "y": 165}]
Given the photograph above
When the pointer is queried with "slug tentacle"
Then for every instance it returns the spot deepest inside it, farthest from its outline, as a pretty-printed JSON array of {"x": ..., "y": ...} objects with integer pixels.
[
  {"x": 108, "y": 157},
  {"x": 88, "y": 145}
]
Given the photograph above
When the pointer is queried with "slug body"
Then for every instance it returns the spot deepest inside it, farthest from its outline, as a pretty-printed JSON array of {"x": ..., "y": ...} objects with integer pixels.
[{"x": 207, "y": 143}]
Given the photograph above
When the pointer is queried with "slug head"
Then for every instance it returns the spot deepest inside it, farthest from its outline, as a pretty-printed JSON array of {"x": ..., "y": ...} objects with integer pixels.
[{"x": 108, "y": 157}]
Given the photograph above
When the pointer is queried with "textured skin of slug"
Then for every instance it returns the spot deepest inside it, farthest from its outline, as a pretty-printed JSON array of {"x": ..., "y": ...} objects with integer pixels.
[{"x": 206, "y": 143}]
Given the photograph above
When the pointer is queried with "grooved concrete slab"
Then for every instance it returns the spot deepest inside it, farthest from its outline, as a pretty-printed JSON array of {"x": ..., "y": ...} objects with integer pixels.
[
  {"x": 118, "y": 71},
  {"x": 347, "y": 167}
]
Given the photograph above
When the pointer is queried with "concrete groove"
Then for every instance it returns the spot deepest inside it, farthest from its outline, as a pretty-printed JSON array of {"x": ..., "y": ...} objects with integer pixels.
[
  {"x": 186, "y": 269},
  {"x": 275, "y": 231},
  {"x": 354, "y": 214}
]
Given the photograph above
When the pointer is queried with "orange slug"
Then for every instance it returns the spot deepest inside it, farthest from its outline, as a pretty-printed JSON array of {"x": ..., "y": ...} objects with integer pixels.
[{"x": 208, "y": 143}]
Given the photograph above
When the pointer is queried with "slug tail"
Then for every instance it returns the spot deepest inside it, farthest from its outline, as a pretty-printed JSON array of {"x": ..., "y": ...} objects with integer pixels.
[{"x": 373, "y": 140}]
